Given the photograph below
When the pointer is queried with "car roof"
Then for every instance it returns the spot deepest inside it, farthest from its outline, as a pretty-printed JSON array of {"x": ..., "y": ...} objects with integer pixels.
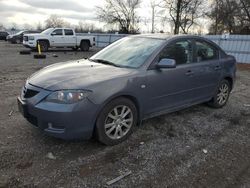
[{"x": 167, "y": 37}]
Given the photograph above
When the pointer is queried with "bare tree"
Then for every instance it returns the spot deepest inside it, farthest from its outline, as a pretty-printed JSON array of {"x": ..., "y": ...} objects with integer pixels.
[
  {"x": 84, "y": 27},
  {"x": 183, "y": 13},
  {"x": 54, "y": 21},
  {"x": 2, "y": 27},
  {"x": 153, "y": 6},
  {"x": 245, "y": 5},
  {"x": 230, "y": 16},
  {"x": 39, "y": 26},
  {"x": 27, "y": 26},
  {"x": 122, "y": 12}
]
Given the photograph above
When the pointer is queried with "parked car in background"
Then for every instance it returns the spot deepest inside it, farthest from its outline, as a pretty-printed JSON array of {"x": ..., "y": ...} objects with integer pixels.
[
  {"x": 18, "y": 37},
  {"x": 3, "y": 35},
  {"x": 135, "y": 78},
  {"x": 59, "y": 37}
]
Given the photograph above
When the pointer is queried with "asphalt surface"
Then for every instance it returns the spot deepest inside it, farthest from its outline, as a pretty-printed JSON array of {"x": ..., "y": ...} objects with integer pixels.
[{"x": 196, "y": 147}]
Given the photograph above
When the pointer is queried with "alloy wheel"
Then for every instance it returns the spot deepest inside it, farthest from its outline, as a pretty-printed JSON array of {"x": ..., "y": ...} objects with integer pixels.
[
  {"x": 223, "y": 94},
  {"x": 118, "y": 122}
]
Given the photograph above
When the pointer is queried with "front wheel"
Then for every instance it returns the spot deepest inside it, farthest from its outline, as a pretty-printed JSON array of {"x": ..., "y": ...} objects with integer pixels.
[
  {"x": 116, "y": 121},
  {"x": 221, "y": 96},
  {"x": 44, "y": 46}
]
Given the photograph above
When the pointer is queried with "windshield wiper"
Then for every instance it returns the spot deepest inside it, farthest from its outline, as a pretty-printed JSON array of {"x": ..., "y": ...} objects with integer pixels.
[{"x": 104, "y": 62}]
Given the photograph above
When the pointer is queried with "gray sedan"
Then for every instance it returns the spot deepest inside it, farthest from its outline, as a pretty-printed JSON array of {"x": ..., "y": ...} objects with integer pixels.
[{"x": 135, "y": 78}]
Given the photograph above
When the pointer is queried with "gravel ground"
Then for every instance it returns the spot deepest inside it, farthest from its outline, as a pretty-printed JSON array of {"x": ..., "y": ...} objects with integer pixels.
[{"x": 195, "y": 147}]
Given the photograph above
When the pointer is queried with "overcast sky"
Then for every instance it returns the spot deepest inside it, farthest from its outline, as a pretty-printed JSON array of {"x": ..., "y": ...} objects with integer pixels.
[{"x": 32, "y": 12}]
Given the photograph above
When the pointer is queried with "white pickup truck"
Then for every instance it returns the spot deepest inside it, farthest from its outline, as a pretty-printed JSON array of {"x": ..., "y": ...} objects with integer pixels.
[{"x": 58, "y": 37}]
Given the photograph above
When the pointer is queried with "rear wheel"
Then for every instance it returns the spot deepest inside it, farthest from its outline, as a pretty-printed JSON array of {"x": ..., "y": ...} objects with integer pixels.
[
  {"x": 116, "y": 121},
  {"x": 84, "y": 46},
  {"x": 222, "y": 94},
  {"x": 18, "y": 41}
]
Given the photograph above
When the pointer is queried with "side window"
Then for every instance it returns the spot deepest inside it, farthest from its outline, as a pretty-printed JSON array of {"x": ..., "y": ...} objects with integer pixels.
[
  {"x": 204, "y": 52},
  {"x": 68, "y": 32},
  {"x": 180, "y": 51},
  {"x": 58, "y": 32}
]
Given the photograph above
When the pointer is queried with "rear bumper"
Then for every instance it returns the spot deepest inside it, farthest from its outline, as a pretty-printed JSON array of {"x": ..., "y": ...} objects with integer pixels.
[{"x": 65, "y": 121}]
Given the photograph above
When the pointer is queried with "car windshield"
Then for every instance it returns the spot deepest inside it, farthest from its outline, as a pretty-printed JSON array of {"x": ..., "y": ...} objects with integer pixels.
[
  {"x": 129, "y": 52},
  {"x": 47, "y": 31}
]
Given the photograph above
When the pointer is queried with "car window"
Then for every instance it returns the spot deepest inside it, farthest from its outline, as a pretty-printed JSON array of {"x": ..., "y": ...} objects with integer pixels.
[
  {"x": 68, "y": 32},
  {"x": 180, "y": 51},
  {"x": 129, "y": 51},
  {"x": 204, "y": 52},
  {"x": 57, "y": 32}
]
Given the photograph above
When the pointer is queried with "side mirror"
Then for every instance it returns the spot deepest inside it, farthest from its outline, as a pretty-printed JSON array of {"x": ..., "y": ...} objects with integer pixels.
[
  {"x": 166, "y": 63},
  {"x": 53, "y": 33}
]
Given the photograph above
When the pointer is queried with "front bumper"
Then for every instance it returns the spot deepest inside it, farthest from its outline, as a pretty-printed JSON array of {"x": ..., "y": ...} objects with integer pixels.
[
  {"x": 66, "y": 121},
  {"x": 29, "y": 44}
]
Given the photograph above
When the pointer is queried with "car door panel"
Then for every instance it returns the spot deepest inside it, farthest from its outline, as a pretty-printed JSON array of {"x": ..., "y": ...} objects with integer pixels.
[
  {"x": 168, "y": 88},
  {"x": 171, "y": 87},
  {"x": 208, "y": 71},
  {"x": 69, "y": 38},
  {"x": 58, "y": 39}
]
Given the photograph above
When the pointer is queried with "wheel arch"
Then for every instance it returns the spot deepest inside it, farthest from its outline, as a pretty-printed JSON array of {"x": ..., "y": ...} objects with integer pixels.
[
  {"x": 230, "y": 80},
  {"x": 45, "y": 40},
  {"x": 123, "y": 95},
  {"x": 85, "y": 40}
]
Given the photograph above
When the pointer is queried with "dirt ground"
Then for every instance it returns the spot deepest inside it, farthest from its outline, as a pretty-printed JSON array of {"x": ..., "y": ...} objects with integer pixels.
[{"x": 195, "y": 147}]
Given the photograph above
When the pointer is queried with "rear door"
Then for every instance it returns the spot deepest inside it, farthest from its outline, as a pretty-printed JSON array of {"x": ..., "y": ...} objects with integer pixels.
[
  {"x": 207, "y": 70},
  {"x": 69, "y": 38},
  {"x": 57, "y": 38}
]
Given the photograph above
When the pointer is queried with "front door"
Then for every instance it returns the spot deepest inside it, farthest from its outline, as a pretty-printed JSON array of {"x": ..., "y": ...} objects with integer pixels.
[
  {"x": 170, "y": 88},
  {"x": 57, "y": 38}
]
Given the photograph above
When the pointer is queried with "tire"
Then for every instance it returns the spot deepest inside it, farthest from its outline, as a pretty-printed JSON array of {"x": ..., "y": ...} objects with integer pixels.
[
  {"x": 25, "y": 52},
  {"x": 44, "y": 46},
  {"x": 18, "y": 41},
  {"x": 84, "y": 46},
  {"x": 75, "y": 48},
  {"x": 39, "y": 56},
  {"x": 116, "y": 131},
  {"x": 221, "y": 96}
]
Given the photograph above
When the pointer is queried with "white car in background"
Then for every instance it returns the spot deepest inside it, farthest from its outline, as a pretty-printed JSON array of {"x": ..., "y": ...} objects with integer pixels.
[{"x": 58, "y": 37}]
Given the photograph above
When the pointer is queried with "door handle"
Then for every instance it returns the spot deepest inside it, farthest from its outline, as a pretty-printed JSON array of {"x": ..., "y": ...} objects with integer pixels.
[
  {"x": 218, "y": 67},
  {"x": 189, "y": 73}
]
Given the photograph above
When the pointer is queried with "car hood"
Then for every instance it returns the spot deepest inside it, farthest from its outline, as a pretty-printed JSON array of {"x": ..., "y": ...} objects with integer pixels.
[
  {"x": 75, "y": 75},
  {"x": 35, "y": 34}
]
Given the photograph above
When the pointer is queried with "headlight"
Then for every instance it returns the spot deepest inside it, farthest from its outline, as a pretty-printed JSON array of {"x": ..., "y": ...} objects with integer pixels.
[
  {"x": 31, "y": 38},
  {"x": 67, "y": 96}
]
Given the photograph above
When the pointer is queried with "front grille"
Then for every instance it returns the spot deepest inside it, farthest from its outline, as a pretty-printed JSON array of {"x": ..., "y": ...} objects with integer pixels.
[
  {"x": 25, "y": 38},
  {"x": 28, "y": 93}
]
